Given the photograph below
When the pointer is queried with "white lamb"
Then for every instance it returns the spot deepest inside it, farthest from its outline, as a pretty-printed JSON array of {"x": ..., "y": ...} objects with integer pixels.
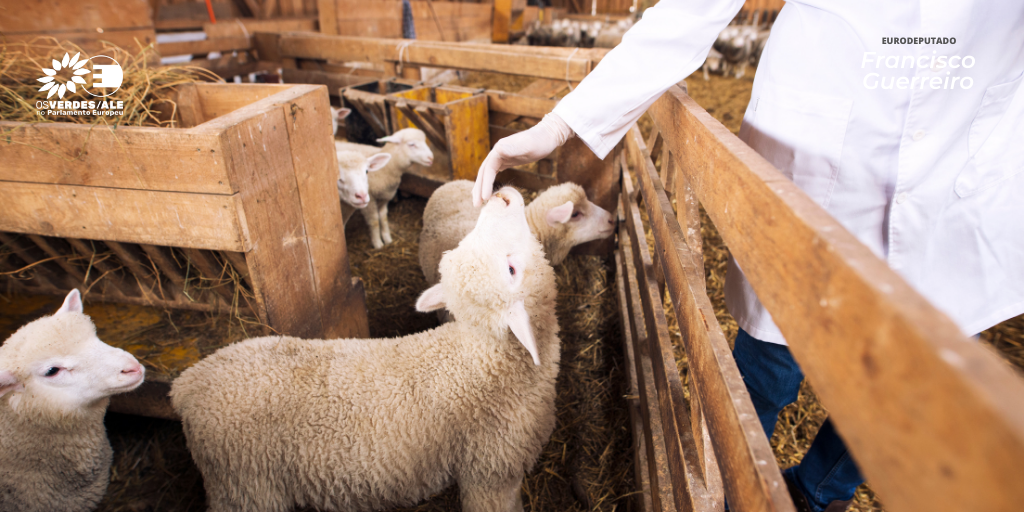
[
  {"x": 337, "y": 115},
  {"x": 56, "y": 378},
  {"x": 353, "y": 177},
  {"x": 407, "y": 147},
  {"x": 277, "y": 422},
  {"x": 561, "y": 217}
]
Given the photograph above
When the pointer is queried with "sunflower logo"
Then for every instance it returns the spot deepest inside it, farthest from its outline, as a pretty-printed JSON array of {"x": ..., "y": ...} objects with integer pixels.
[{"x": 51, "y": 82}]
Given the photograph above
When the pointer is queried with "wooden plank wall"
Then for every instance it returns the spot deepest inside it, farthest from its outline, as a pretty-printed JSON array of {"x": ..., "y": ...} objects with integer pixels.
[
  {"x": 619, "y": 7},
  {"x": 256, "y": 8},
  {"x": 434, "y": 21},
  {"x": 85, "y": 23}
]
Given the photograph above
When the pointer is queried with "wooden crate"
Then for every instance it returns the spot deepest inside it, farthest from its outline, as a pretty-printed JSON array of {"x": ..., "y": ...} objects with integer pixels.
[
  {"x": 246, "y": 186},
  {"x": 455, "y": 120}
]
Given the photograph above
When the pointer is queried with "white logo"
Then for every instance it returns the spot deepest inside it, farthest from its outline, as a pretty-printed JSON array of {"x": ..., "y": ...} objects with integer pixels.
[{"x": 105, "y": 76}]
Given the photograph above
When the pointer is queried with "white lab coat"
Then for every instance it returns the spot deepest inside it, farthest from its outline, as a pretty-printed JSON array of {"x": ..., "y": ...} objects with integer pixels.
[{"x": 932, "y": 180}]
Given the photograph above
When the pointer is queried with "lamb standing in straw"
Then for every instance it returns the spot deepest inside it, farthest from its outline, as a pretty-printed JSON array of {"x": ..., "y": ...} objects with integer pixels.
[
  {"x": 354, "y": 170},
  {"x": 279, "y": 422},
  {"x": 407, "y": 147},
  {"x": 56, "y": 379}
]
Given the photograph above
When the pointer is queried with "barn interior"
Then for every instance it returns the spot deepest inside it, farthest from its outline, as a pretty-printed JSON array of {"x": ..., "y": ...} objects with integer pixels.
[{"x": 468, "y": 74}]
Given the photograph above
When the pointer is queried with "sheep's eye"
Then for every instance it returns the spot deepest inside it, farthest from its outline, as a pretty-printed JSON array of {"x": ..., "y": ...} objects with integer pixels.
[
  {"x": 511, "y": 270},
  {"x": 52, "y": 371},
  {"x": 576, "y": 214}
]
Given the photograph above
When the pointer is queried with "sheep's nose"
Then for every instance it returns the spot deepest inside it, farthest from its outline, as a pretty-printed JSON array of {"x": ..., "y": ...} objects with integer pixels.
[
  {"x": 134, "y": 369},
  {"x": 361, "y": 197}
]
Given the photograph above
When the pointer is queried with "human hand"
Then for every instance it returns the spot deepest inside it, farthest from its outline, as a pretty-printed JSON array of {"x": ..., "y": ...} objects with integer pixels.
[{"x": 524, "y": 147}]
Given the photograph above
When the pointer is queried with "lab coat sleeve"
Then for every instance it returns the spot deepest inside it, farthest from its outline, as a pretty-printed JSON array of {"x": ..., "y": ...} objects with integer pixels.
[{"x": 670, "y": 42}]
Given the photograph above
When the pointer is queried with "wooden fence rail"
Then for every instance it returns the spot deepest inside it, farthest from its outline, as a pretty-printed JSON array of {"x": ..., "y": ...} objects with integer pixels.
[
  {"x": 934, "y": 420},
  {"x": 394, "y": 54}
]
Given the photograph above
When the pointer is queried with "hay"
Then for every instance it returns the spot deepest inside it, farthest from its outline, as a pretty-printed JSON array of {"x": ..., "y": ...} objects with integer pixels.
[{"x": 146, "y": 90}]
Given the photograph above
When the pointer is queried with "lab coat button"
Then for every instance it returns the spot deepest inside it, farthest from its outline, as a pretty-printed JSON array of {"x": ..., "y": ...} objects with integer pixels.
[
  {"x": 918, "y": 135},
  {"x": 901, "y": 198}
]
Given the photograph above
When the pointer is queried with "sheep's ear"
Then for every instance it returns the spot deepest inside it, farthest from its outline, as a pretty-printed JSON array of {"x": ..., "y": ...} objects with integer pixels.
[
  {"x": 560, "y": 214},
  {"x": 390, "y": 138},
  {"x": 519, "y": 322},
  {"x": 72, "y": 303},
  {"x": 378, "y": 161},
  {"x": 341, "y": 113},
  {"x": 8, "y": 382},
  {"x": 431, "y": 299}
]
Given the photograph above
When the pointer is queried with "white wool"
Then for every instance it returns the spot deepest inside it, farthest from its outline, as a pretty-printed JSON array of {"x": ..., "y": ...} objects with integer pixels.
[
  {"x": 277, "y": 423},
  {"x": 56, "y": 378},
  {"x": 450, "y": 215}
]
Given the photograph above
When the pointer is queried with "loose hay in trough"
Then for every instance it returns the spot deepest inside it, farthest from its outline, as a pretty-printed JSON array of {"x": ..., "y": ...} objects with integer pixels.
[{"x": 145, "y": 89}]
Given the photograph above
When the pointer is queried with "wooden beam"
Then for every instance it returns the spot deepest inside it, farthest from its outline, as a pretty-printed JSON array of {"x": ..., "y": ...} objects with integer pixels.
[
  {"x": 935, "y": 421},
  {"x": 519, "y": 105},
  {"x": 207, "y": 221},
  {"x": 339, "y": 295},
  {"x": 224, "y": 44},
  {"x": 243, "y": 27},
  {"x": 328, "y": 16},
  {"x": 82, "y": 154},
  {"x": 333, "y": 81},
  {"x": 641, "y": 478},
  {"x": 342, "y": 48}
]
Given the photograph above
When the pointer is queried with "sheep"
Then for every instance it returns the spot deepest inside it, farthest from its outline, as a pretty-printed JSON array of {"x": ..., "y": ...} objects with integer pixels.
[
  {"x": 338, "y": 115},
  {"x": 56, "y": 378},
  {"x": 736, "y": 44},
  {"x": 712, "y": 63},
  {"x": 353, "y": 178},
  {"x": 561, "y": 217},
  {"x": 406, "y": 147},
  {"x": 279, "y": 422}
]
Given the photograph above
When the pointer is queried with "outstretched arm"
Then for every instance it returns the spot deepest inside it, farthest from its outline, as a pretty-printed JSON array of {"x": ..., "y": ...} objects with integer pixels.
[{"x": 670, "y": 42}]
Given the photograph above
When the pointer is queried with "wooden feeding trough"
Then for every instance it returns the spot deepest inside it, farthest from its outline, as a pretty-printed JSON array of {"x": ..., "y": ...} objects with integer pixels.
[
  {"x": 370, "y": 118},
  {"x": 237, "y": 210},
  {"x": 454, "y": 119}
]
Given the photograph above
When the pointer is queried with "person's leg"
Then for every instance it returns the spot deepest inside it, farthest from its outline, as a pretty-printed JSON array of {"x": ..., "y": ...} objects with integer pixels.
[
  {"x": 827, "y": 474},
  {"x": 771, "y": 375}
]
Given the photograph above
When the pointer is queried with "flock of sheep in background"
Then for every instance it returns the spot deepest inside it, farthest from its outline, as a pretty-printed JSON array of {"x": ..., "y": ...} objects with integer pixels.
[{"x": 737, "y": 46}]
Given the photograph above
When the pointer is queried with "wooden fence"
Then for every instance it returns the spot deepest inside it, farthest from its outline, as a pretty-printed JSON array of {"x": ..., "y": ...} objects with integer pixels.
[{"x": 934, "y": 420}]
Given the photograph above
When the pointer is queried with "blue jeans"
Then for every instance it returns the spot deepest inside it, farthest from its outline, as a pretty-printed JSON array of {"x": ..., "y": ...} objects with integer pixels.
[{"x": 827, "y": 473}]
